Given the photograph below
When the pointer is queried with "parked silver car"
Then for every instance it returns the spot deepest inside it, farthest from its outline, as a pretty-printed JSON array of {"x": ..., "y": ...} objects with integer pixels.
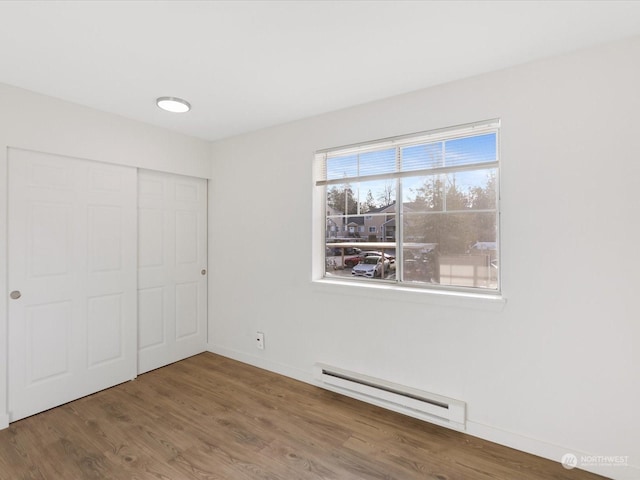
[
  {"x": 353, "y": 261},
  {"x": 370, "y": 267}
]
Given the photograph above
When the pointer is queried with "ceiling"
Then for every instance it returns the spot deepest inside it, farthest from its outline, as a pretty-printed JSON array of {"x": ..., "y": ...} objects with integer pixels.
[{"x": 246, "y": 65}]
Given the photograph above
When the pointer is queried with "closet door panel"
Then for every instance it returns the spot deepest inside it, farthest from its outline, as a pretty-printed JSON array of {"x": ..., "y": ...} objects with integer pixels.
[
  {"x": 72, "y": 273},
  {"x": 172, "y": 281}
]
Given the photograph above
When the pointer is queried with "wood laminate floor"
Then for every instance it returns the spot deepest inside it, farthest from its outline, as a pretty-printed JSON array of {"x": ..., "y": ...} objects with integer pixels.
[{"x": 209, "y": 417}]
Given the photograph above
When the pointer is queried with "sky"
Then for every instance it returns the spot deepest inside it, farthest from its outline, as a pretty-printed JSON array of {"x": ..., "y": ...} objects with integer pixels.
[{"x": 456, "y": 152}]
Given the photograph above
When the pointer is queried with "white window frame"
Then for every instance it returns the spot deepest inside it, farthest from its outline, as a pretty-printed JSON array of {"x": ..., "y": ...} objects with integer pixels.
[{"x": 320, "y": 186}]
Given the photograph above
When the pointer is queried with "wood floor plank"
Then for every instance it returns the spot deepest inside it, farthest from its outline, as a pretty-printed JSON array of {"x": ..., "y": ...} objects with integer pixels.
[{"x": 210, "y": 417}]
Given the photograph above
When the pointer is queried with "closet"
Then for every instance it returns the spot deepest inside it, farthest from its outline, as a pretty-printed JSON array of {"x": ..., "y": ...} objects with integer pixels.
[{"x": 106, "y": 273}]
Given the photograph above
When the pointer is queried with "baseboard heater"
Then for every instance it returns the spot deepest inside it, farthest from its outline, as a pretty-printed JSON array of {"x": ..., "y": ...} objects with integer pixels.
[{"x": 419, "y": 404}]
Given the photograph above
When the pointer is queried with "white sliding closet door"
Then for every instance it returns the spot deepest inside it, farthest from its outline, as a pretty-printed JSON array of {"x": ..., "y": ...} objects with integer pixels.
[
  {"x": 72, "y": 273},
  {"x": 172, "y": 268}
]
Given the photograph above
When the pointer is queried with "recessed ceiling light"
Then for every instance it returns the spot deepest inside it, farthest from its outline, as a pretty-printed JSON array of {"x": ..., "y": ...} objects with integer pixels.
[{"x": 173, "y": 104}]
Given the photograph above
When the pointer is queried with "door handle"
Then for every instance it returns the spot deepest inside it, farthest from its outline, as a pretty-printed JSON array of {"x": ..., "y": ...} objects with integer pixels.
[
  {"x": 15, "y": 294},
  {"x": 203, "y": 271}
]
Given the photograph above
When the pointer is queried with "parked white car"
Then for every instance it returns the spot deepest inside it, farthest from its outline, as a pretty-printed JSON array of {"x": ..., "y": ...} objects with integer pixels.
[{"x": 370, "y": 267}]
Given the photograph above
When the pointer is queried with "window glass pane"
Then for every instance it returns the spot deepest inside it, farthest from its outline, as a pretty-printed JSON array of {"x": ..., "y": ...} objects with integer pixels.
[
  {"x": 376, "y": 196},
  {"x": 334, "y": 227},
  {"x": 423, "y": 194},
  {"x": 352, "y": 225},
  {"x": 470, "y": 150},
  {"x": 418, "y": 157},
  {"x": 471, "y": 190},
  {"x": 454, "y": 233},
  {"x": 420, "y": 263},
  {"x": 342, "y": 199},
  {"x": 377, "y": 162},
  {"x": 462, "y": 249},
  {"x": 342, "y": 167}
]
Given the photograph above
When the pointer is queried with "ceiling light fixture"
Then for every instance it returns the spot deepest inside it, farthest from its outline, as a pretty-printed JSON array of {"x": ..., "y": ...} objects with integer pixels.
[{"x": 173, "y": 104}]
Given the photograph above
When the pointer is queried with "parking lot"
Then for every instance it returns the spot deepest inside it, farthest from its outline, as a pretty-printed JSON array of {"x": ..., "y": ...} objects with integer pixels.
[
  {"x": 467, "y": 270},
  {"x": 335, "y": 267}
]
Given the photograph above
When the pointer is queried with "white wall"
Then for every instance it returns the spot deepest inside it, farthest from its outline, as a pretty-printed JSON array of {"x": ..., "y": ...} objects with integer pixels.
[
  {"x": 554, "y": 370},
  {"x": 37, "y": 122}
]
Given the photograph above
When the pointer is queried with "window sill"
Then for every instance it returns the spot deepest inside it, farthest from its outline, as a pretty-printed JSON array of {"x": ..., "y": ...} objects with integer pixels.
[{"x": 489, "y": 302}]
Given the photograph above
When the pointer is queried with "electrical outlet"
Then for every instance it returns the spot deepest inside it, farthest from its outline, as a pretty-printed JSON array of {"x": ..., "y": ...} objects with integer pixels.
[{"x": 260, "y": 340}]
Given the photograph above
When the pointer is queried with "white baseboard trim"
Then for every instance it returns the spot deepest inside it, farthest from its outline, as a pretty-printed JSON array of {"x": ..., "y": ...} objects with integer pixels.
[
  {"x": 4, "y": 421},
  {"x": 486, "y": 432},
  {"x": 550, "y": 451},
  {"x": 260, "y": 362}
]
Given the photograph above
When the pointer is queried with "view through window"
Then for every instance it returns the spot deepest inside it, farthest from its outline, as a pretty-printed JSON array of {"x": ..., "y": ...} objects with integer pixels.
[{"x": 418, "y": 210}]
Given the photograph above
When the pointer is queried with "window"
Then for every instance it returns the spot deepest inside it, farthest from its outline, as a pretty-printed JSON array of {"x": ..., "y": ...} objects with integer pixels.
[{"x": 430, "y": 202}]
